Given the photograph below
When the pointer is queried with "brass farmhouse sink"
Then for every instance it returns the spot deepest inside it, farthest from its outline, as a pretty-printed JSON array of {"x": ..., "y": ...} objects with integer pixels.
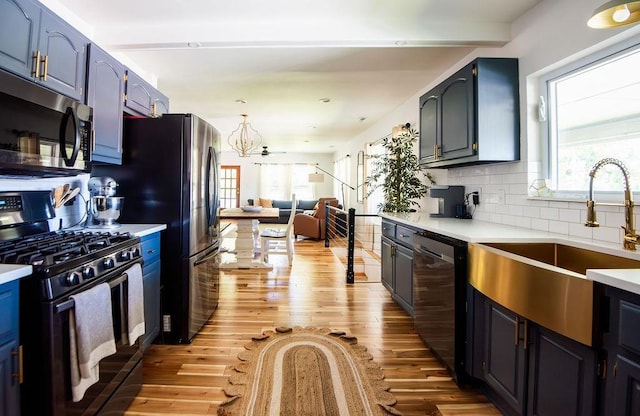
[{"x": 543, "y": 282}]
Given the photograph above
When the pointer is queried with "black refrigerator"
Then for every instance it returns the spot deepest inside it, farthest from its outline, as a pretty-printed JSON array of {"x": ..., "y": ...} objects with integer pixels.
[{"x": 169, "y": 175}]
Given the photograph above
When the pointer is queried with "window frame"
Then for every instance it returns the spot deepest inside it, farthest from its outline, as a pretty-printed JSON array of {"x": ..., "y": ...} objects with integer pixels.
[{"x": 549, "y": 157}]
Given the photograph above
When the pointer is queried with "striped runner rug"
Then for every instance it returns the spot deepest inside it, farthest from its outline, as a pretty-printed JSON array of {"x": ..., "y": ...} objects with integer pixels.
[{"x": 306, "y": 371}]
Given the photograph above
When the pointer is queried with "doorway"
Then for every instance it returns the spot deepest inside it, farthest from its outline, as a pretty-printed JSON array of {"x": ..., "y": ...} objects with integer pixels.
[{"x": 229, "y": 186}]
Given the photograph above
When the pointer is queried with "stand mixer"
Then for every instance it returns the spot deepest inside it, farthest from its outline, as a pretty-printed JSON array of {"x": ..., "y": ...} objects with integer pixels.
[{"x": 104, "y": 207}]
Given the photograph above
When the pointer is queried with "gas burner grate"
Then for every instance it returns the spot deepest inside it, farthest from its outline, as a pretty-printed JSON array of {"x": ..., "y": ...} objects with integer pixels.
[{"x": 58, "y": 247}]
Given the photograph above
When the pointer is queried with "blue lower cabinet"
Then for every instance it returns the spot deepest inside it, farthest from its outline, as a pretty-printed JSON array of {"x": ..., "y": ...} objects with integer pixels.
[
  {"x": 622, "y": 342},
  {"x": 10, "y": 371},
  {"x": 151, "y": 281},
  {"x": 530, "y": 370}
]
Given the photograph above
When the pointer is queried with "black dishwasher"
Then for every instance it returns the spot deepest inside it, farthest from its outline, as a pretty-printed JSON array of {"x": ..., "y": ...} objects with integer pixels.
[{"x": 439, "y": 296}]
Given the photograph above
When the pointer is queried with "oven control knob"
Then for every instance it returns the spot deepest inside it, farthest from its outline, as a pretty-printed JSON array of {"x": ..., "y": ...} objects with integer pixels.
[
  {"x": 73, "y": 278},
  {"x": 109, "y": 263},
  {"x": 135, "y": 252},
  {"x": 89, "y": 272},
  {"x": 125, "y": 255}
]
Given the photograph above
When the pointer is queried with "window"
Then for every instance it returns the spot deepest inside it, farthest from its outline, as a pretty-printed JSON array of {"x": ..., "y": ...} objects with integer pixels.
[
  {"x": 594, "y": 113},
  {"x": 376, "y": 198},
  {"x": 279, "y": 181}
]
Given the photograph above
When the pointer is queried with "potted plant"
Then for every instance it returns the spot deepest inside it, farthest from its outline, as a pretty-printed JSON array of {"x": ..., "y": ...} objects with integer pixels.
[{"x": 399, "y": 173}]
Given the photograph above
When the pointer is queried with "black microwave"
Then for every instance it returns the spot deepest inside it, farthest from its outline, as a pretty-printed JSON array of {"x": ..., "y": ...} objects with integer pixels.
[{"x": 42, "y": 133}]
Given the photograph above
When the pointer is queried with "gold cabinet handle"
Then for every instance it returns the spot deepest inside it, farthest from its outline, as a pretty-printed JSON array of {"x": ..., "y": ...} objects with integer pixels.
[
  {"x": 45, "y": 67},
  {"x": 36, "y": 65},
  {"x": 516, "y": 338},
  {"x": 19, "y": 374},
  {"x": 526, "y": 333}
]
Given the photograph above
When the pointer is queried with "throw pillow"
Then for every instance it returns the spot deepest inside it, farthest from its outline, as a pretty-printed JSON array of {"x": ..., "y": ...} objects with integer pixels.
[{"x": 265, "y": 203}]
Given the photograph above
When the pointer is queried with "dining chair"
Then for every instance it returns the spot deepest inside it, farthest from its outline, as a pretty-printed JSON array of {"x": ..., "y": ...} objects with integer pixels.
[{"x": 279, "y": 240}]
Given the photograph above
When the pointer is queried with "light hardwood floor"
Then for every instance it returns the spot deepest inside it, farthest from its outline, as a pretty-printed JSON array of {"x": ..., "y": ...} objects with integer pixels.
[{"x": 187, "y": 379}]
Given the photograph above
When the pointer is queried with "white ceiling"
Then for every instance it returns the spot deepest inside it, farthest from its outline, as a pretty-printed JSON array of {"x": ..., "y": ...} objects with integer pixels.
[{"x": 283, "y": 56}]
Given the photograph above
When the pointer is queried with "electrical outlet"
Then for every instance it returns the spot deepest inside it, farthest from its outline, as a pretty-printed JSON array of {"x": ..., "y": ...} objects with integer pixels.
[
  {"x": 475, "y": 197},
  {"x": 166, "y": 323}
]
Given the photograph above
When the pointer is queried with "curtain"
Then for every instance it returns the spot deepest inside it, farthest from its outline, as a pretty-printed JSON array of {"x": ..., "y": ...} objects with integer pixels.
[
  {"x": 280, "y": 180},
  {"x": 341, "y": 171}
]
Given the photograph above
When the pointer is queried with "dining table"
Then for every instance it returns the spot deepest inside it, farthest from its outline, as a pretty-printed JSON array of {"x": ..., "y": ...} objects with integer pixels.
[{"x": 246, "y": 253}]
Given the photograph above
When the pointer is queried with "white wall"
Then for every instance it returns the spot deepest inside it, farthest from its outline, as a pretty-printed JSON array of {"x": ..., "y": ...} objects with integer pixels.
[
  {"x": 548, "y": 35},
  {"x": 250, "y": 171}
]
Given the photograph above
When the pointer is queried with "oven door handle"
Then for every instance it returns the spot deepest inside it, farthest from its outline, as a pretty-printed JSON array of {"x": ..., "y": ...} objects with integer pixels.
[{"x": 66, "y": 305}]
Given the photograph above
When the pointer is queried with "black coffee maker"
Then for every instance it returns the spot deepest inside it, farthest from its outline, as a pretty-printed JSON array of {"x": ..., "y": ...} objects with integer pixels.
[{"x": 451, "y": 203}]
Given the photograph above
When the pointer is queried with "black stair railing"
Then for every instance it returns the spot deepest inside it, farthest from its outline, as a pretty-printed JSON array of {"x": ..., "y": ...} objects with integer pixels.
[{"x": 341, "y": 232}]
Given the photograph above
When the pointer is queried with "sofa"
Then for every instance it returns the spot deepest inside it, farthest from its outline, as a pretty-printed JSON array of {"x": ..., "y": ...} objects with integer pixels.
[{"x": 284, "y": 207}]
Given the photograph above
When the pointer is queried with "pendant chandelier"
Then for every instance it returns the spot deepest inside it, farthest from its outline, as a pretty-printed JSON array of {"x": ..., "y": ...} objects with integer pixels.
[{"x": 246, "y": 139}]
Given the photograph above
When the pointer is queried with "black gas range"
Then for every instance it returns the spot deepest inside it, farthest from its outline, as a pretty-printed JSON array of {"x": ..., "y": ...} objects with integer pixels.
[{"x": 66, "y": 263}]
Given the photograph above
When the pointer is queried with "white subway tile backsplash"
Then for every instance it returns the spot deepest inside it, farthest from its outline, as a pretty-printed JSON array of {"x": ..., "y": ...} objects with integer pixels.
[
  {"x": 533, "y": 212},
  {"x": 523, "y": 222},
  {"x": 517, "y": 210},
  {"x": 497, "y": 218},
  {"x": 558, "y": 204},
  {"x": 509, "y": 220},
  {"x": 612, "y": 219},
  {"x": 549, "y": 213},
  {"x": 538, "y": 224},
  {"x": 502, "y": 209},
  {"x": 569, "y": 215},
  {"x": 608, "y": 234},
  {"x": 559, "y": 227},
  {"x": 579, "y": 230},
  {"x": 504, "y": 199}
]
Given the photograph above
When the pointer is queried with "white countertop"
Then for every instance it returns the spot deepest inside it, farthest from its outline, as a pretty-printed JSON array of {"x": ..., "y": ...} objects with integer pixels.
[
  {"x": 475, "y": 231},
  {"x": 139, "y": 230},
  {"x": 10, "y": 272}
]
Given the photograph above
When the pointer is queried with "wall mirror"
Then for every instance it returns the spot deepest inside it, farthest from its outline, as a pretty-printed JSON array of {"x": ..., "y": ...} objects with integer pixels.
[{"x": 360, "y": 177}]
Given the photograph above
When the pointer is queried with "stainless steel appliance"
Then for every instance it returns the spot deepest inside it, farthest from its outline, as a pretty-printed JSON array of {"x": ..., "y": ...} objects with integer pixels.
[
  {"x": 439, "y": 296},
  {"x": 66, "y": 263},
  {"x": 103, "y": 207},
  {"x": 169, "y": 175},
  {"x": 42, "y": 133}
]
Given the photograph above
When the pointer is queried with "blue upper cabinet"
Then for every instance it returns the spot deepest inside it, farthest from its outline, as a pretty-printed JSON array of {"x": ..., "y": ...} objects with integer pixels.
[
  {"x": 63, "y": 53},
  {"x": 473, "y": 116},
  {"x": 19, "y": 22},
  {"x": 143, "y": 99},
  {"x": 38, "y": 45},
  {"x": 105, "y": 93}
]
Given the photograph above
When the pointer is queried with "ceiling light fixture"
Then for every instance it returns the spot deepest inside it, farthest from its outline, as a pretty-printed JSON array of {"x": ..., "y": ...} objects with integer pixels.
[
  {"x": 244, "y": 143},
  {"x": 615, "y": 13}
]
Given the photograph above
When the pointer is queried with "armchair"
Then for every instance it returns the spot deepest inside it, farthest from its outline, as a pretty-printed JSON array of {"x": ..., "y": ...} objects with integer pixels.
[{"x": 313, "y": 226}]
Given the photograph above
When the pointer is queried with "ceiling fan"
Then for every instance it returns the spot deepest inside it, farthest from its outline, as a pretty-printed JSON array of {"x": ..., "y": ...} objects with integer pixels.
[{"x": 265, "y": 152}]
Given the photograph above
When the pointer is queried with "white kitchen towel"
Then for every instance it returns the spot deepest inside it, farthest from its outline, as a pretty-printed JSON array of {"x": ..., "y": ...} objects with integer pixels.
[
  {"x": 135, "y": 303},
  {"x": 91, "y": 337}
]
